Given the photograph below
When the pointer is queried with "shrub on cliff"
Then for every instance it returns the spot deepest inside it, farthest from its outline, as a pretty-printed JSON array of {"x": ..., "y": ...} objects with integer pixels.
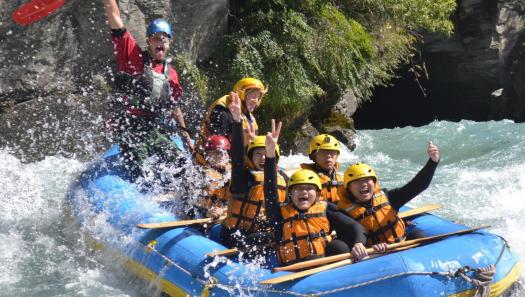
[{"x": 308, "y": 49}]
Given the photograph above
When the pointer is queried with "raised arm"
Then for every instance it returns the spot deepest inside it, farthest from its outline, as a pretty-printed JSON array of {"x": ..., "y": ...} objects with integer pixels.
[
  {"x": 271, "y": 197},
  {"x": 400, "y": 196},
  {"x": 239, "y": 180},
  {"x": 113, "y": 14}
]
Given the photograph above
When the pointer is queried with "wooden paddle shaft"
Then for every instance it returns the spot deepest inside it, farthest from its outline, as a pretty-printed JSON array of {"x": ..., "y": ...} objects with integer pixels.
[
  {"x": 227, "y": 252},
  {"x": 325, "y": 260},
  {"x": 174, "y": 224}
]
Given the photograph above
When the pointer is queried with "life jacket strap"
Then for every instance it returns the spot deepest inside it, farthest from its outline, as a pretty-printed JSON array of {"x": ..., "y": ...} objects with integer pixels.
[
  {"x": 309, "y": 237},
  {"x": 382, "y": 231},
  {"x": 303, "y": 216},
  {"x": 371, "y": 210}
]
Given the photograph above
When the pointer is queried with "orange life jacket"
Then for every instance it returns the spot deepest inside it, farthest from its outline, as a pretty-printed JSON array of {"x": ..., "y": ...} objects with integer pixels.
[
  {"x": 247, "y": 120},
  {"x": 330, "y": 187},
  {"x": 305, "y": 234},
  {"x": 244, "y": 209},
  {"x": 378, "y": 217},
  {"x": 218, "y": 189}
]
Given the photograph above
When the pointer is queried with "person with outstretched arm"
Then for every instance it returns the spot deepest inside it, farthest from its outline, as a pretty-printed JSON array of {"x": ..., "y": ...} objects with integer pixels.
[
  {"x": 377, "y": 209},
  {"x": 151, "y": 90}
]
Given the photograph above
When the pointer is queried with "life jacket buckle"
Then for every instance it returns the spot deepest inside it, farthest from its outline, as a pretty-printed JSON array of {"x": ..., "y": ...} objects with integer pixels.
[{"x": 302, "y": 216}]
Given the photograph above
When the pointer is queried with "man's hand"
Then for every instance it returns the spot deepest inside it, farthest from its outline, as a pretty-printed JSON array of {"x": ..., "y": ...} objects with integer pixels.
[{"x": 113, "y": 14}]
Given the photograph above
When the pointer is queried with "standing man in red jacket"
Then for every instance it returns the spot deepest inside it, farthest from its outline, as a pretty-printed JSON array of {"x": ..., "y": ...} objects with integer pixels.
[{"x": 151, "y": 90}]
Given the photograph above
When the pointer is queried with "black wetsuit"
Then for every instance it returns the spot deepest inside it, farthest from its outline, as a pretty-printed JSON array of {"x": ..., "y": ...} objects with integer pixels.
[
  {"x": 401, "y": 196},
  {"x": 348, "y": 230},
  {"x": 241, "y": 183},
  {"x": 221, "y": 121}
]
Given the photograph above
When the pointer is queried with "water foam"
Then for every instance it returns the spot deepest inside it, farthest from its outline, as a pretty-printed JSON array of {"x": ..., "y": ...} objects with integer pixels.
[{"x": 481, "y": 180}]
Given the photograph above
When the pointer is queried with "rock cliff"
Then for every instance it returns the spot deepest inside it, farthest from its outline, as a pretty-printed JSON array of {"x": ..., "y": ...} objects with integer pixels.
[
  {"x": 53, "y": 79},
  {"x": 478, "y": 73},
  {"x": 54, "y": 86}
]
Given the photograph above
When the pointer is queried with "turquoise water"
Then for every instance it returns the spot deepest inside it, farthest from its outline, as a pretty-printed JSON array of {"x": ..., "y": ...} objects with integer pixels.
[{"x": 481, "y": 180}]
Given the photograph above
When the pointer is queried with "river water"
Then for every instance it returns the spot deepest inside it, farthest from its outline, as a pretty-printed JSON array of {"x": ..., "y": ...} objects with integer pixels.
[{"x": 480, "y": 180}]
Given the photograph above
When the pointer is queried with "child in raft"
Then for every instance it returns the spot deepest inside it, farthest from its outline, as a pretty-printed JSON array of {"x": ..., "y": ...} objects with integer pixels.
[
  {"x": 245, "y": 220},
  {"x": 302, "y": 227},
  {"x": 215, "y": 167},
  {"x": 376, "y": 209},
  {"x": 324, "y": 150}
]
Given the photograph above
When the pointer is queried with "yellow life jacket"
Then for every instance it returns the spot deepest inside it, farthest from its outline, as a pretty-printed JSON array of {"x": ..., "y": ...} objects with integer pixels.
[
  {"x": 330, "y": 187},
  {"x": 378, "y": 217},
  {"x": 244, "y": 209},
  {"x": 247, "y": 120},
  {"x": 305, "y": 234}
]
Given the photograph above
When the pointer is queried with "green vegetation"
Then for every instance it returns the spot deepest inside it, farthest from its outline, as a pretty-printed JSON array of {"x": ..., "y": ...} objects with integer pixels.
[
  {"x": 190, "y": 75},
  {"x": 318, "y": 49}
]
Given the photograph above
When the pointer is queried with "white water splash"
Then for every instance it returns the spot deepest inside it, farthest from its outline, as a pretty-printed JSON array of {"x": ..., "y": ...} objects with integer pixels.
[{"x": 481, "y": 180}]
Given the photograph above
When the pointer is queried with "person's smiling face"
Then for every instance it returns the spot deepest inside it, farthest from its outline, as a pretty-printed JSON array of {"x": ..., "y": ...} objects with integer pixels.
[
  {"x": 303, "y": 195},
  {"x": 258, "y": 157},
  {"x": 362, "y": 189},
  {"x": 252, "y": 99}
]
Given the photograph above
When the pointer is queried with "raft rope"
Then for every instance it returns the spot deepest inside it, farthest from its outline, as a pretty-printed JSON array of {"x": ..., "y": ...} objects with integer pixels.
[
  {"x": 484, "y": 278},
  {"x": 484, "y": 274},
  {"x": 482, "y": 283}
]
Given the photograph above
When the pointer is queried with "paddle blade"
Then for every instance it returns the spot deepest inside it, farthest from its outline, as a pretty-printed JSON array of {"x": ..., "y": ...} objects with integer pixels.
[
  {"x": 35, "y": 10},
  {"x": 418, "y": 210}
]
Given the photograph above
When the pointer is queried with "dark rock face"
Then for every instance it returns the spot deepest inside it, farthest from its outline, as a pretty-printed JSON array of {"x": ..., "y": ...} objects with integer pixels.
[
  {"x": 61, "y": 64},
  {"x": 331, "y": 115},
  {"x": 476, "y": 74},
  {"x": 472, "y": 74}
]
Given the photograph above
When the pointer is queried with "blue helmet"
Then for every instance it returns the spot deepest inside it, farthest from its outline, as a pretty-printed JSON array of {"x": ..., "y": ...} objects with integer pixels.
[{"x": 159, "y": 25}]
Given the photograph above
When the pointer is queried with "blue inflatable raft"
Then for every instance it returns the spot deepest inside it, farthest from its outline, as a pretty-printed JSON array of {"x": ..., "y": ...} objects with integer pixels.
[{"x": 108, "y": 207}]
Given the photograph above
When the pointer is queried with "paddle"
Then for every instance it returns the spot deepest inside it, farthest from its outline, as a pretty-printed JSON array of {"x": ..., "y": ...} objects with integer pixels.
[
  {"x": 404, "y": 214},
  {"x": 326, "y": 267},
  {"x": 35, "y": 10},
  {"x": 173, "y": 224},
  {"x": 347, "y": 257},
  {"x": 418, "y": 210},
  {"x": 326, "y": 260},
  {"x": 227, "y": 252}
]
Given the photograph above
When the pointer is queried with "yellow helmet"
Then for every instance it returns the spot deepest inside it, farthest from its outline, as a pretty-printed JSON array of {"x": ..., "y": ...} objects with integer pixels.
[
  {"x": 259, "y": 141},
  {"x": 248, "y": 83},
  {"x": 357, "y": 171},
  {"x": 323, "y": 142},
  {"x": 305, "y": 176}
]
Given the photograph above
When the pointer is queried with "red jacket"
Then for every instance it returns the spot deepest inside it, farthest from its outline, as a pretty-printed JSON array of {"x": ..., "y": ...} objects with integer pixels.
[{"x": 129, "y": 59}]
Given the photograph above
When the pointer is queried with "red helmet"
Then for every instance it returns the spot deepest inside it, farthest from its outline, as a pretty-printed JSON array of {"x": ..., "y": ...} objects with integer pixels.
[{"x": 217, "y": 142}]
